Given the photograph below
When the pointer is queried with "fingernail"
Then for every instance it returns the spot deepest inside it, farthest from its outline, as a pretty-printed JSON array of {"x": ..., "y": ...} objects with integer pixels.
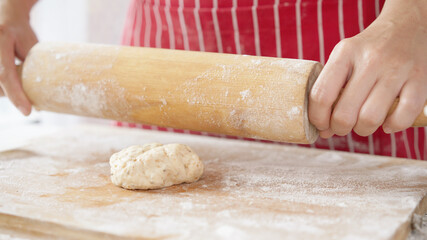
[{"x": 387, "y": 130}]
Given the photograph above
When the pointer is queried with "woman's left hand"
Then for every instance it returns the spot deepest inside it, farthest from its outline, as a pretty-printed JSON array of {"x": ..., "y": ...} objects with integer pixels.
[{"x": 385, "y": 61}]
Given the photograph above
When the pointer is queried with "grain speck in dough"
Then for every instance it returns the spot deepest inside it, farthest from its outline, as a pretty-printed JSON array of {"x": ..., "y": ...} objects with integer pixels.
[{"x": 153, "y": 166}]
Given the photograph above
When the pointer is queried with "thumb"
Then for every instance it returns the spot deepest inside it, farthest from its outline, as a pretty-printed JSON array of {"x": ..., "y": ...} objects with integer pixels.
[{"x": 9, "y": 80}]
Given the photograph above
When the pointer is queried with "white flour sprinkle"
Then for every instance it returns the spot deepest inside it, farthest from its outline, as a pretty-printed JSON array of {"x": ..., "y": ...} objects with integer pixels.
[
  {"x": 294, "y": 112},
  {"x": 256, "y": 61},
  {"x": 60, "y": 55},
  {"x": 245, "y": 94},
  {"x": 229, "y": 232},
  {"x": 186, "y": 205}
]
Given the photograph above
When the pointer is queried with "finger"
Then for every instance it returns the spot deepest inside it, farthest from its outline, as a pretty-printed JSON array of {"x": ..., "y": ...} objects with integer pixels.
[
  {"x": 412, "y": 98},
  {"x": 326, "y": 133},
  {"x": 26, "y": 42},
  {"x": 374, "y": 110},
  {"x": 345, "y": 113},
  {"x": 1, "y": 92},
  {"x": 13, "y": 90},
  {"x": 9, "y": 80},
  {"x": 328, "y": 85}
]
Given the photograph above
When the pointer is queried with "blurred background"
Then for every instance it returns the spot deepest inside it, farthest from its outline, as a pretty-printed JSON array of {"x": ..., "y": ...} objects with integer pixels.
[{"x": 96, "y": 21}]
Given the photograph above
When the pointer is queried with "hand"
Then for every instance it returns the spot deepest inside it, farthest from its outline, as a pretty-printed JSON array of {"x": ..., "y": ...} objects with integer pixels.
[
  {"x": 16, "y": 40},
  {"x": 385, "y": 61}
]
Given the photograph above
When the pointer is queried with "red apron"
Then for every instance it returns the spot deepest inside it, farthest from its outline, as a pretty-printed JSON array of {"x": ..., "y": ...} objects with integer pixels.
[{"x": 305, "y": 29}]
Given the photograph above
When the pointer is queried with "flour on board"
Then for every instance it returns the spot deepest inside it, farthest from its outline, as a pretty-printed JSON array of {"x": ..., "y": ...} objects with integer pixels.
[{"x": 250, "y": 189}]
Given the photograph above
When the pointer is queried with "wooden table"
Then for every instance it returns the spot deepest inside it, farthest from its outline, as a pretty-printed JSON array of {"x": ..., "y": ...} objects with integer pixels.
[{"x": 59, "y": 185}]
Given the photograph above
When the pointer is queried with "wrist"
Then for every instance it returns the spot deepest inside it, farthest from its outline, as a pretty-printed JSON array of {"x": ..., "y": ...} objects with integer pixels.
[
  {"x": 25, "y": 5},
  {"x": 16, "y": 9},
  {"x": 405, "y": 12}
]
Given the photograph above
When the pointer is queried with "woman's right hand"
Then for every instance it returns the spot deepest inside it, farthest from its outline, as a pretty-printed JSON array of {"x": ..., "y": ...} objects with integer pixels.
[{"x": 16, "y": 39}]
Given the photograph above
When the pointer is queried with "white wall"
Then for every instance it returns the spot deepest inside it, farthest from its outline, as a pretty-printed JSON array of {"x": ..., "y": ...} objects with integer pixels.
[
  {"x": 97, "y": 21},
  {"x": 65, "y": 20}
]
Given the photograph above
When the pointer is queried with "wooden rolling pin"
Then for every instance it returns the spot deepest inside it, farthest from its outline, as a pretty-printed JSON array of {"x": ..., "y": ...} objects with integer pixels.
[{"x": 247, "y": 96}]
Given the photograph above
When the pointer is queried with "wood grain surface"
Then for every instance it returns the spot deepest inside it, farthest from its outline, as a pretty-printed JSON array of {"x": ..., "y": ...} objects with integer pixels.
[
  {"x": 59, "y": 186},
  {"x": 239, "y": 95}
]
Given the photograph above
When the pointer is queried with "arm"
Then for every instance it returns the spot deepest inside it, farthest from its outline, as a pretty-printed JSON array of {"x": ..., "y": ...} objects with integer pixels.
[
  {"x": 385, "y": 61},
  {"x": 16, "y": 40}
]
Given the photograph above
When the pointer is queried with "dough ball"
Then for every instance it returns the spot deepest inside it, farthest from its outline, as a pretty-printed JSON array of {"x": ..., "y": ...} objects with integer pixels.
[{"x": 154, "y": 165}]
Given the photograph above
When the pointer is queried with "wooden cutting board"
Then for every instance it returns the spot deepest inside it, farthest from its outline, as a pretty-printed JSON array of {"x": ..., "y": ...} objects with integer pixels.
[{"x": 59, "y": 186}]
